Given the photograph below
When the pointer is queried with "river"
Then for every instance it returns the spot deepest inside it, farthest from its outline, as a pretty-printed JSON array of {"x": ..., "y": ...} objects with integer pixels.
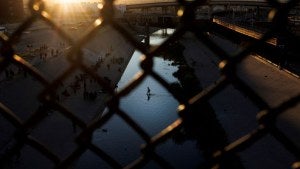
[{"x": 153, "y": 114}]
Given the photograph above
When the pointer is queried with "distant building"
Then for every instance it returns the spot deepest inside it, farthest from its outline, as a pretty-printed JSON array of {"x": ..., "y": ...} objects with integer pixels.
[
  {"x": 121, "y": 9},
  {"x": 11, "y": 10}
]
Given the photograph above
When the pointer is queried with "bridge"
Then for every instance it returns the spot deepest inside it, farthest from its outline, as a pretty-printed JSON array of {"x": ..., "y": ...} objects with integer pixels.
[
  {"x": 159, "y": 3},
  {"x": 164, "y": 13},
  {"x": 167, "y": 10},
  {"x": 164, "y": 7},
  {"x": 164, "y": 3}
]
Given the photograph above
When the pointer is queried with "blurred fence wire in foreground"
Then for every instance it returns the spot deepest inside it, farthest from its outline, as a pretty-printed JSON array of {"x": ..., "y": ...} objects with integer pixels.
[{"x": 188, "y": 106}]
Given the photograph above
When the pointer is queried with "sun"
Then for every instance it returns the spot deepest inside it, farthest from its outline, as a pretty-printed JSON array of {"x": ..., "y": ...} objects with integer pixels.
[
  {"x": 73, "y": 1},
  {"x": 67, "y": 1}
]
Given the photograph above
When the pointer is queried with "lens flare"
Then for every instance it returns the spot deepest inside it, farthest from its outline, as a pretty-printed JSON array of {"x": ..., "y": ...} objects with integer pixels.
[{"x": 67, "y": 1}]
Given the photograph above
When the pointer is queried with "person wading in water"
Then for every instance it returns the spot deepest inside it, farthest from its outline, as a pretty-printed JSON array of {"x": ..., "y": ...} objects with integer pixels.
[{"x": 148, "y": 93}]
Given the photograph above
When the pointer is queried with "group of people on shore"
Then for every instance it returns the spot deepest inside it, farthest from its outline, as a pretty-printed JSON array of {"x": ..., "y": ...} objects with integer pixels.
[
  {"x": 113, "y": 61},
  {"x": 81, "y": 82},
  {"x": 89, "y": 87},
  {"x": 44, "y": 51},
  {"x": 12, "y": 71}
]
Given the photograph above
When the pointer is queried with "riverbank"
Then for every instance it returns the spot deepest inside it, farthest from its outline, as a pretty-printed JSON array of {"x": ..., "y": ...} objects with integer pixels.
[
  {"x": 108, "y": 53},
  {"x": 236, "y": 112}
]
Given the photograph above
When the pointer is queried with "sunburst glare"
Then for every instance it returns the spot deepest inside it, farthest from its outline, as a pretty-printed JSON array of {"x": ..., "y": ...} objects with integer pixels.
[
  {"x": 67, "y": 1},
  {"x": 76, "y": 10},
  {"x": 74, "y": 1}
]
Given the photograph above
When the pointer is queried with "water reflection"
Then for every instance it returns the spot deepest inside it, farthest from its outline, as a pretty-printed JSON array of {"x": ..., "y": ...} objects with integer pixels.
[
  {"x": 157, "y": 109},
  {"x": 153, "y": 108}
]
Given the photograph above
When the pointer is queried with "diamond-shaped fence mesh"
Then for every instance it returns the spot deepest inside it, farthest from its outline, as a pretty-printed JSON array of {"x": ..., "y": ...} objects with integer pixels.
[{"x": 192, "y": 110}]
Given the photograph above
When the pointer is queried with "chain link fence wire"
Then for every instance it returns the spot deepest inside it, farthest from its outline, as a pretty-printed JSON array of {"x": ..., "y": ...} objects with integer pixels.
[{"x": 216, "y": 157}]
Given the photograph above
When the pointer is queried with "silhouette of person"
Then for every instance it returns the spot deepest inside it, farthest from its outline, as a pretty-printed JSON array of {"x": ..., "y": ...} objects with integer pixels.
[
  {"x": 148, "y": 97},
  {"x": 148, "y": 91}
]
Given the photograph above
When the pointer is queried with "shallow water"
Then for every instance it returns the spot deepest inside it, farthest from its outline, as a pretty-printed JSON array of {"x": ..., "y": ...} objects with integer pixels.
[{"x": 153, "y": 113}]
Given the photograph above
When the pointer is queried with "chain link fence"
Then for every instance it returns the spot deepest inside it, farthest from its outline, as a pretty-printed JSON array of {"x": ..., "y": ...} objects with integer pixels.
[{"x": 216, "y": 157}]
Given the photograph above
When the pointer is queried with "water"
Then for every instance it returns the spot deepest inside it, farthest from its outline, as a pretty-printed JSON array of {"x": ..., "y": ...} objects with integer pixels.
[
  {"x": 159, "y": 109},
  {"x": 152, "y": 113}
]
